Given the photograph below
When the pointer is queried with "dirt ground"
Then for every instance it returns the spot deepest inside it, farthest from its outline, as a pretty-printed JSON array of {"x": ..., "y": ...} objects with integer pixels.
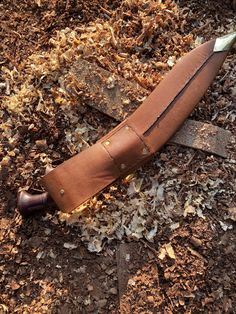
[{"x": 48, "y": 265}]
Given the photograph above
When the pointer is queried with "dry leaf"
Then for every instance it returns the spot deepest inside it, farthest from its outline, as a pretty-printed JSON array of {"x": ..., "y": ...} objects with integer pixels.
[
  {"x": 170, "y": 250},
  {"x": 162, "y": 253},
  {"x": 189, "y": 209},
  {"x": 232, "y": 213},
  {"x": 70, "y": 246},
  {"x": 166, "y": 249},
  {"x": 225, "y": 226}
]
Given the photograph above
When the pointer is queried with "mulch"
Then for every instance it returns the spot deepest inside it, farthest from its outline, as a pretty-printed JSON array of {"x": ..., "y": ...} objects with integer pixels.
[{"x": 159, "y": 241}]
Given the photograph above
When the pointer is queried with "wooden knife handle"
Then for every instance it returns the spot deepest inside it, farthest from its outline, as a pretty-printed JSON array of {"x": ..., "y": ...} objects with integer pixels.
[{"x": 29, "y": 204}]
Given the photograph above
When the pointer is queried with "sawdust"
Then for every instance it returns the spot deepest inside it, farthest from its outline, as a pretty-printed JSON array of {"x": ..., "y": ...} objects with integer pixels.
[{"x": 140, "y": 41}]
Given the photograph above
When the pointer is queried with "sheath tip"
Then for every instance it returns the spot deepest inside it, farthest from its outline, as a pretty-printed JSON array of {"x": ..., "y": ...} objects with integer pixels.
[{"x": 225, "y": 43}]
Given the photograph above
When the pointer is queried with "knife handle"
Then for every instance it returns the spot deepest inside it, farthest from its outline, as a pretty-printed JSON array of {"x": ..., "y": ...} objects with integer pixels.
[{"x": 29, "y": 204}]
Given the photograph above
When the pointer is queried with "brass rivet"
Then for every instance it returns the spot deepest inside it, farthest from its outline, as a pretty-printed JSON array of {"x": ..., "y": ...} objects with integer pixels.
[
  {"x": 123, "y": 166},
  {"x": 62, "y": 192},
  {"x": 107, "y": 143},
  {"x": 145, "y": 151}
]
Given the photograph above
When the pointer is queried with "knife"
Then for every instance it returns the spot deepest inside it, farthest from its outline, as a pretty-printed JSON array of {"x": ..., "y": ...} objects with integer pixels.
[{"x": 138, "y": 137}]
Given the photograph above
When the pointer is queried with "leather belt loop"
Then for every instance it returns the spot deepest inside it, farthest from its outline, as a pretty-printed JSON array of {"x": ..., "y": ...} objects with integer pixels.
[{"x": 126, "y": 148}]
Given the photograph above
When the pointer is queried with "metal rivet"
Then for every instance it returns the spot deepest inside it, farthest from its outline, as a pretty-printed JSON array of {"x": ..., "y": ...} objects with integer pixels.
[
  {"x": 107, "y": 143},
  {"x": 62, "y": 192},
  {"x": 127, "y": 127},
  {"x": 123, "y": 166},
  {"x": 145, "y": 151}
]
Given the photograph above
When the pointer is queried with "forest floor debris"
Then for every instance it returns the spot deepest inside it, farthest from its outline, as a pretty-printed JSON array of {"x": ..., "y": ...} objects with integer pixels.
[{"x": 182, "y": 203}]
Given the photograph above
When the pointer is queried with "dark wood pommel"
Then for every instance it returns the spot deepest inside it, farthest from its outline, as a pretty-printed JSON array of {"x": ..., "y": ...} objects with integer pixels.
[{"x": 29, "y": 204}]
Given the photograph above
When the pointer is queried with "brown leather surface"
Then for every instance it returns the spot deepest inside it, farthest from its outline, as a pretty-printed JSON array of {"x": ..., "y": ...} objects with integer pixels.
[
  {"x": 170, "y": 87},
  {"x": 140, "y": 135},
  {"x": 90, "y": 171},
  {"x": 167, "y": 125},
  {"x": 87, "y": 82}
]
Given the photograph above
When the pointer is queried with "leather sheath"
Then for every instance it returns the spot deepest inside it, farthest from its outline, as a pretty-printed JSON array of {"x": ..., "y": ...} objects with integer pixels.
[{"x": 139, "y": 136}]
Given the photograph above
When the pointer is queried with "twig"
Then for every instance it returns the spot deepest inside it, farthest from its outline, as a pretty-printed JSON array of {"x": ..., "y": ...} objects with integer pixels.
[{"x": 149, "y": 247}]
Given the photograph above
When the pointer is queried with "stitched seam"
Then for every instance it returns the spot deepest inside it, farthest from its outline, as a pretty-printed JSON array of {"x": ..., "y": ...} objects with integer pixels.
[
  {"x": 171, "y": 103},
  {"x": 113, "y": 158},
  {"x": 141, "y": 139}
]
